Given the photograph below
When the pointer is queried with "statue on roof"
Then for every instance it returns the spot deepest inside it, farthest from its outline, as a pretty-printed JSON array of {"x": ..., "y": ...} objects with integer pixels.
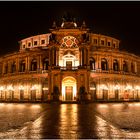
[{"x": 68, "y": 21}]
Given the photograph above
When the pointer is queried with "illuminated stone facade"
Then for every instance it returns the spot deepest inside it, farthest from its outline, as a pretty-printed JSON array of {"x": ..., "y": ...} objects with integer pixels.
[{"x": 69, "y": 61}]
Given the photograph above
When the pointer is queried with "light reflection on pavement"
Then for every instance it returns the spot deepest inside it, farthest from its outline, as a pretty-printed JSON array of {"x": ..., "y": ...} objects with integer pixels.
[{"x": 73, "y": 121}]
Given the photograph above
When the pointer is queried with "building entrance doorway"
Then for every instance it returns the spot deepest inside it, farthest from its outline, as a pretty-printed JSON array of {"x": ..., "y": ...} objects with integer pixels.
[
  {"x": 69, "y": 92},
  {"x": 69, "y": 89}
]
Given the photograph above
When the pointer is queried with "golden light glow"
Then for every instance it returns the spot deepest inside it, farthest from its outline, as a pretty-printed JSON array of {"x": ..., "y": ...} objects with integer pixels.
[
  {"x": 103, "y": 87},
  {"x": 103, "y": 106},
  {"x": 21, "y": 87},
  {"x": 137, "y": 87},
  {"x": 117, "y": 105},
  {"x": 34, "y": 87},
  {"x": 136, "y": 104},
  {"x": 10, "y": 88},
  {"x": 68, "y": 118},
  {"x": 2, "y": 104},
  {"x": 116, "y": 87},
  {"x": 35, "y": 106},
  {"x": 45, "y": 88},
  {"x": 92, "y": 88},
  {"x": 68, "y": 81},
  {"x": 68, "y": 57},
  {"x": 128, "y": 87},
  {"x": 1, "y": 88}
]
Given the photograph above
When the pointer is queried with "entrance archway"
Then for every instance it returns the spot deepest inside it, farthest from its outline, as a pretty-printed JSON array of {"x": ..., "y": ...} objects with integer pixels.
[{"x": 69, "y": 89}]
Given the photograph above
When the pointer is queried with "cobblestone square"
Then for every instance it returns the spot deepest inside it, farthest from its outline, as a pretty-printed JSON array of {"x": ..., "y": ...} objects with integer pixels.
[{"x": 70, "y": 121}]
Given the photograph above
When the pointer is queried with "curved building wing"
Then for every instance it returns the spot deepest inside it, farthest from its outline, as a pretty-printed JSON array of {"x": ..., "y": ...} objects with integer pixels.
[{"x": 69, "y": 64}]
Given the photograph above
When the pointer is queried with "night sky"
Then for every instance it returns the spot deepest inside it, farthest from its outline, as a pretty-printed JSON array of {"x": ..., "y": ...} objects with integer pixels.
[{"x": 19, "y": 20}]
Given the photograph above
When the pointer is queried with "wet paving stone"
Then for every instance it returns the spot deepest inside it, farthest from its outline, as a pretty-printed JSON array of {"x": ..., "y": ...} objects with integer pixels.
[{"x": 74, "y": 121}]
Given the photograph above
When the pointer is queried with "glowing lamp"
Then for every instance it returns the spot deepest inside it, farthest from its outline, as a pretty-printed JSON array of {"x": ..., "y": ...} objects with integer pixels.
[
  {"x": 128, "y": 87},
  {"x": 137, "y": 87},
  {"x": 10, "y": 88},
  {"x": 45, "y": 88},
  {"x": 116, "y": 87},
  {"x": 34, "y": 87},
  {"x": 92, "y": 88},
  {"x": 104, "y": 87},
  {"x": 21, "y": 88},
  {"x": 1, "y": 88}
]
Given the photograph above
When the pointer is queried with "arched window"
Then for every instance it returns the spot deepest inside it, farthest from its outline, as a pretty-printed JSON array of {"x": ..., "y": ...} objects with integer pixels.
[
  {"x": 13, "y": 67},
  {"x": 45, "y": 64},
  {"x": 34, "y": 65},
  {"x": 132, "y": 68},
  {"x": 115, "y": 65},
  {"x": 104, "y": 65},
  {"x": 125, "y": 67},
  {"x": 69, "y": 60},
  {"x": 22, "y": 66},
  {"x": 92, "y": 64}
]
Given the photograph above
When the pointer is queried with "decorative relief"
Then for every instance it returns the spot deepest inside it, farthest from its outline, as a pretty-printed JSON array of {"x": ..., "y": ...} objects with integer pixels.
[{"x": 69, "y": 42}]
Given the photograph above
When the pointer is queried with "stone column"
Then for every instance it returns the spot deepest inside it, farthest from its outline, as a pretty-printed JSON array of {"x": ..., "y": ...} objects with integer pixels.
[
  {"x": 80, "y": 57},
  {"x": 120, "y": 64},
  {"x": 88, "y": 83},
  {"x": 135, "y": 67},
  {"x": 9, "y": 67},
  {"x": 85, "y": 56},
  {"x": 50, "y": 56},
  {"x": 129, "y": 65},
  {"x": 88, "y": 56},
  {"x": 111, "y": 63},
  {"x": 57, "y": 57},
  {"x": 40, "y": 61},
  {"x": 26, "y": 63},
  {"x": 54, "y": 54},
  {"x": 99, "y": 62},
  {"x": 3, "y": 68},
  {"x": 96, "y": 62},
  {"x": 17, "y": 64}
]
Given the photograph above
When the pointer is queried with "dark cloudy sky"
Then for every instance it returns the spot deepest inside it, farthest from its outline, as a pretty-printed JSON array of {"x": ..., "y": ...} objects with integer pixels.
[{"x": 19, "y": 20}]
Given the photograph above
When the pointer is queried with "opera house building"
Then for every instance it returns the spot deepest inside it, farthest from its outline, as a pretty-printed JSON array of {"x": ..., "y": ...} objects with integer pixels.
[{"x": 69, "y": 64}]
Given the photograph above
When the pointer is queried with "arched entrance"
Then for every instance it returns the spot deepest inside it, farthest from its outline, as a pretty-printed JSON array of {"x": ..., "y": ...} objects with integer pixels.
[{"x": 69, "y": 89}]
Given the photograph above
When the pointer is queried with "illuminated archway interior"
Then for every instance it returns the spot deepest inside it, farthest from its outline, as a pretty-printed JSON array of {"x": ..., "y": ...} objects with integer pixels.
[
  {"x": 69, "y": 58},
  {"x": 69, "y": 89}
]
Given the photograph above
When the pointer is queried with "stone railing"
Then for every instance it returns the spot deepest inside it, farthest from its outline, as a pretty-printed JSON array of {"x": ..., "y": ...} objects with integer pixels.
[
  {"x": 39, "y": 71},
  {"x": 115, "y": 72}
]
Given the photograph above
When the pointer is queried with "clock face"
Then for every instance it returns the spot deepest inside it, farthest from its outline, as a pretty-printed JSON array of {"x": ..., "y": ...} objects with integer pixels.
[{"x": 69, "y": 42}]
